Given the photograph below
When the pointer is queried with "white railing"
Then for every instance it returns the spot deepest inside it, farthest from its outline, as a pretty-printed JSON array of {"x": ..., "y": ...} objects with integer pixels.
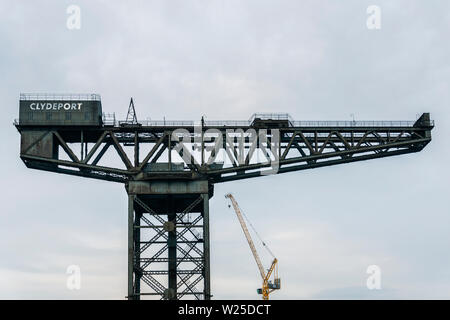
[
  {"x": 353, "y": 123},
  {"x": 271, "y": 116},
  {"x": 232, "y": 123},
  {"x": 110, "y": 120},
  {"x": 61, "y": 96},
  {"x": 163, "y": 123},
  {"x": 244, "y": 123}
]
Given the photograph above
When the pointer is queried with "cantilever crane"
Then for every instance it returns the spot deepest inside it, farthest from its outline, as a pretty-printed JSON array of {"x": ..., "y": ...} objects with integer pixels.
[
  {"x": 160, "y": 190},
  {"x": 267, "y": 286}
]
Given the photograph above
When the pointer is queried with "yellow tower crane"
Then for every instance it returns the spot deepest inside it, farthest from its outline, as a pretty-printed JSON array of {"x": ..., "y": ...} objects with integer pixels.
[{"x": 267, "y": 285}]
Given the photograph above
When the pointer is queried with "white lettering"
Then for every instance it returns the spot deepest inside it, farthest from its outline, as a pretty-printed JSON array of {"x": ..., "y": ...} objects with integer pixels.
[
  {"x": 57, "y": 106},
  {"x": 190, "y": 310}
]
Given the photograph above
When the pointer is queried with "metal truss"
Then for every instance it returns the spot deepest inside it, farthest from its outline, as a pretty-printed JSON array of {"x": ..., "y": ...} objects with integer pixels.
[
  {"x": 221, "y": 154},
  {"x": 208, "y": 153},
  {"x": 168, "y": 251}
]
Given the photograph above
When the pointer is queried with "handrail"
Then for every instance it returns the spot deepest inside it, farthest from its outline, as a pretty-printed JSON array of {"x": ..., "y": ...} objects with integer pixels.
[
  {"x": 271, "y": 116},
  {"x": 244, "y": 123},
  {"x": 60, "y": 96},
  {"x": 110, "y": 120}
]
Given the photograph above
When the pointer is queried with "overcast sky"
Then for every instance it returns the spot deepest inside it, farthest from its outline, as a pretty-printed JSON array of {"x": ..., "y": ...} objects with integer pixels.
[{"x": 180, "y": 60}]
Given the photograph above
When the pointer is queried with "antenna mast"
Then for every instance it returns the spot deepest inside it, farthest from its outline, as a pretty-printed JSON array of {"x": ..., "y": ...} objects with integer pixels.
[{"x": 131, "y": 115}]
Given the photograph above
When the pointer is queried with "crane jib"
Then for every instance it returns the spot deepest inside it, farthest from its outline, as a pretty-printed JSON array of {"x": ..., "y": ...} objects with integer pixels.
[{"x": 267, "y": 286}]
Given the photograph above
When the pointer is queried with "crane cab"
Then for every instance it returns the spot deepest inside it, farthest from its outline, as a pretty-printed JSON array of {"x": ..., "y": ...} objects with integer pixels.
[
  {"x": 271, "y": 120},
  {"x": 276, "y": 285}
]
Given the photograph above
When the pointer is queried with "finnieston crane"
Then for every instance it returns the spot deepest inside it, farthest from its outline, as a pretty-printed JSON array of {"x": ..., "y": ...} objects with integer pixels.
[
  {"x": 267, "y": 285},
  {"x": 169, "y": 183}
]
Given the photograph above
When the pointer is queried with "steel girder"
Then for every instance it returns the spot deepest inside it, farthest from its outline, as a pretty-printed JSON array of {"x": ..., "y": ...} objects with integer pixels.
[{"x": 217, "y": 154}]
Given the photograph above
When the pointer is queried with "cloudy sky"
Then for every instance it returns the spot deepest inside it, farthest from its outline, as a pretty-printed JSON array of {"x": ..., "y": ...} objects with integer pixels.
[{"x": 180, "y": 60}]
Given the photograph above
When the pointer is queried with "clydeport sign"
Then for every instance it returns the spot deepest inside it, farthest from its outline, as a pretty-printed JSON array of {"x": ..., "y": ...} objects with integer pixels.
[
  {"x": 41, "y": 112},
  {"x": 55, "y": 106}
]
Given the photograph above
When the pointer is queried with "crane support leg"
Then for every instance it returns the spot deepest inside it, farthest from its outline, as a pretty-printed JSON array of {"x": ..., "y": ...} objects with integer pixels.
[
  {"x": 168, "y": 239},
  {"x": 207, "y": 276},
  {"x": 131, "y": 290}
]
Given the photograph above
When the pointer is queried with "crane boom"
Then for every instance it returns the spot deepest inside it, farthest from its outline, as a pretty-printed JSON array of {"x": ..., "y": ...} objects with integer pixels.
[
  {"x": 247, "y": 234},
  {"x": 267, "y": 285}
]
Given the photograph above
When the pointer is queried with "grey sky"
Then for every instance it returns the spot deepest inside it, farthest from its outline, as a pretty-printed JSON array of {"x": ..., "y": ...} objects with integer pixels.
[{"x": 226, "y": 60}]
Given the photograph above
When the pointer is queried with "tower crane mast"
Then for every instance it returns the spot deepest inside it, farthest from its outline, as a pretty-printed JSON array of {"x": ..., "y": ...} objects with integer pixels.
[{"x": 267, "y": 286}]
